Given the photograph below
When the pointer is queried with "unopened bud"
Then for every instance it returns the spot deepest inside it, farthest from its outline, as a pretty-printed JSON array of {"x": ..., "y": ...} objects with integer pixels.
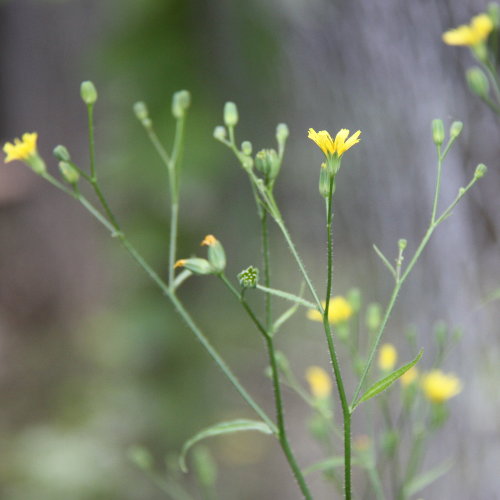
[
  {"x": 61, "y": 153},
  {"x": 181, "y": 101},
  {"x": 69, "y": 173},
  {"x": 282, "y": 133},
  {"x": 402, "y": 244},
  {"x": 141, "y": 111},
  {"x": 220, "y": 133},
  {"x": 268, "y": 162},
  {"x": 249, "y": 277},
  {"x": 478, "y": 81},
  {"x": 481, "y": 170},
  {"x": 437, "y": 132},
  {"x": 456, "y": 129},
  {"x": 373, "y": 317},
  {"x": 88, "y": 93},
  {"x": 246, "y": 148},
  {"x": 354, "y": 299},
  {"x": 196, "y": 265},
  {"x": 230, "y": 114}
]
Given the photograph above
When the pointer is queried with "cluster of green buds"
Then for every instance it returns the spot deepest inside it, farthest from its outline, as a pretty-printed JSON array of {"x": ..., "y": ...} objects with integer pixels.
[
  {"x": 67, "y": 168},
  {"x": 438, "y": 134},
  {"x": 266, "y": 161},
  {"x": 215, "y": 262},
  {"x": 249, "y": 277}
]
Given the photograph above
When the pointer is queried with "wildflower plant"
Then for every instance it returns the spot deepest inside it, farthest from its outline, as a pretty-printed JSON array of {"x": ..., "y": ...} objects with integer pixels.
[{"x": 344, "y": 319}]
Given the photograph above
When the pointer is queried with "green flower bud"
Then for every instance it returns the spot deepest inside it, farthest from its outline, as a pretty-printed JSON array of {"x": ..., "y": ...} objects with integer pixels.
[
  {"x": 220, "y": 133},
  {"x": 61, "y": 153},
  {"x": 246, "y": 148},
  {"x": 249, "y": 277},
  {"x": 402, "y": 244},
  {"x": 437, "y": 132},
  {"x": 141, "y": 111},
  {"x": 69, "y": 173},
  {"x": 441, "y": 333},
  {"x": 181, "y": 101},
  {"x": 478, "y": 82},
  {"x": 268, "y": 162},
  {"x": 373, "y": 317},
  {"x": 282, "y": 133},
  {"x": 456, "y": 129},
  {"x": 230, "y": 114},
  {"x": 88, "y": 93},
  {"x": 141, "y": 457},
  {"x": 354, "y": 299},
  {"x": 481, "y": 170},
  {"x": 216, "y": 254},
  {"x": 196, "y": 265}
]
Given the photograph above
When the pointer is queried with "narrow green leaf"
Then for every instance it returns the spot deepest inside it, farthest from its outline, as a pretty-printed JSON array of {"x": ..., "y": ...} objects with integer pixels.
[
  {"x": 284, "y": 317},
  {"x": 287, "y": 296},
  {"x": 219, "y": 429},
  {"x": 384, "y": 383},
  {"x": 426, "y": 478}
]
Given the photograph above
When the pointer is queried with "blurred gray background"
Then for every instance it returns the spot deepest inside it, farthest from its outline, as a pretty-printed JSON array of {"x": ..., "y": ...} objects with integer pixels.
[{"x": 92, "y": 360}]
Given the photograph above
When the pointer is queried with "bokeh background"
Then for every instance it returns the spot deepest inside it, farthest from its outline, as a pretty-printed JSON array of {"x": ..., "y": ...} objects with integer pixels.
[{"x": 93, "y": 360}]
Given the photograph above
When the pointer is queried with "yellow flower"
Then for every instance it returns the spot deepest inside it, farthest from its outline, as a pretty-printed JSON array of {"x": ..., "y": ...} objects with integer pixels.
[
  {"x": 209, "y": 240},
  {"x": 409, "y": 377},
  {"x": 21, "y": 149},
  {"x": 387, "y": 357},
  {"x": 180, "y": 263},
  {"x": 470, "y": 34},
  {"x": 319, "y": 382},
  {"x": 339, "y": 311},
  {"x": 337, "y": 146},
  {"x": 439, "y": 387}
]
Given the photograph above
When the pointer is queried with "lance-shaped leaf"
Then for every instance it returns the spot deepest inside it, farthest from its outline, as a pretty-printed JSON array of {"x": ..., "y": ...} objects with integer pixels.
[
  {"x": 219, "y": 429},
  {"x": 384, "y": 383}
]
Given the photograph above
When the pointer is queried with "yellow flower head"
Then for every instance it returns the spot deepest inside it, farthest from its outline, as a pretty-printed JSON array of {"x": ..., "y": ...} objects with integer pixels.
[
  {"x": 21, "y": 149},
  {"x": 320, "y": 383},
  {"x": 470, "y": 34},
  {"x": 409, "y": 377},
  {"x": 387, "y": 357},
  {"x": 439, "y": 387},
  {"x": 339, "y": 311},
  {"x": 180, "y": 263},
  {"x": 209, "y": 240},
  {"x": 337, "y": 146}
]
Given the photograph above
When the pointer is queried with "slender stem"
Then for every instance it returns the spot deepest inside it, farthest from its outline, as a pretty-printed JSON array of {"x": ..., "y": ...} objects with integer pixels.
[
  {"x": 174, "y": 220},
  {"x": 278, "y": 400},
  {"x": 333, "y": 354},
  {"x": 288, "y": 296},
  {"x": 90, "y": 116},
  {"x": 438, "y": 185},
  {"x": 267, "y": 268}
]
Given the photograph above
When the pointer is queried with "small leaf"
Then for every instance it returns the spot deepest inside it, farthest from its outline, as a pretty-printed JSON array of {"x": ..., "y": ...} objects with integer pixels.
[
  {"x": 426, "y": 478},
  {"x": 384, "y": 383},
  {"x": 219, "y": 429}
]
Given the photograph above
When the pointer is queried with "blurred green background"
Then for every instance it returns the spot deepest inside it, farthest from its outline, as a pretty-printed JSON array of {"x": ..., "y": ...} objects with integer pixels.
[{"x": 94, "y": 360}]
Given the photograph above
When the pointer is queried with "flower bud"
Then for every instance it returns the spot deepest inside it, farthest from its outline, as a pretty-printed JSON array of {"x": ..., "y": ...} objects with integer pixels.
[
  {"x": 69, "y": 173},
  {"x": 478, "y": 82},
  {"x": 141, "y": 111},
  {"x": 246, "y": 148},
  {"x": 220, "y": 133},
  {"x": 282, "y": 133},
  {"x": 88, "y": 93},
  {"x": 354, "y": 299},
  {"x": 437, "y": 132},
  {"x": 181, "y": 101},
  {"x": 402, "y": 244},
  {"x": 230, "y": 114},
  {"x": 481, "y": 170},
  {"x": 196, "y": 265},
  {"x": 456, "y": 129},
  {"x": 373, "y": 317},
  {"x": 216, "y": 254},
  {"x": 61, "y": 153},
  {"x": 268, "y": 162},
  {"x": 249, "y": 277}
]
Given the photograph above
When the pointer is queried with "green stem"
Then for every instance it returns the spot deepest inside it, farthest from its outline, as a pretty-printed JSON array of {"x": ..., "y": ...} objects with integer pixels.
[
  {"x": 278, "y": 400},
  {"x": 267, "y": 268},
  {"x": 90, "y": 116},
  {"x": 333, "y": 354},
  {"x": 287, "y": 296},
  {"x": 438, "y": 185}
]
